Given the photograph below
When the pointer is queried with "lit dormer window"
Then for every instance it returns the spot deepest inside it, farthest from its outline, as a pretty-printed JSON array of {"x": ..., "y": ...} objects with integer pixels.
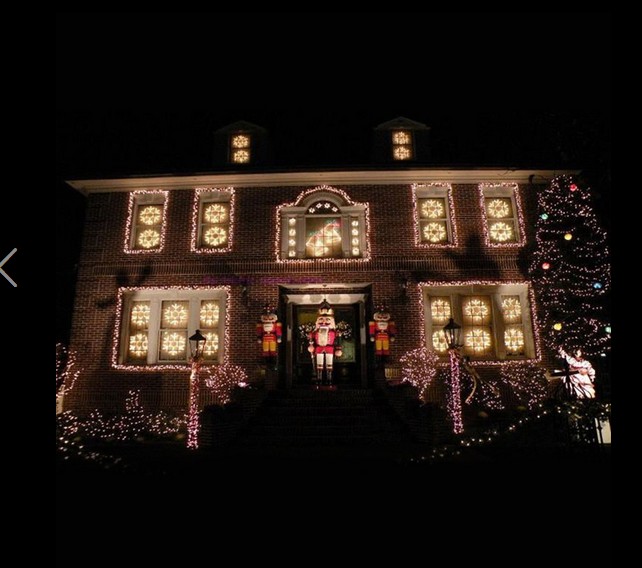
[
  {"x": 240, "y": 148},
  {"x": 402, "y": 145}
]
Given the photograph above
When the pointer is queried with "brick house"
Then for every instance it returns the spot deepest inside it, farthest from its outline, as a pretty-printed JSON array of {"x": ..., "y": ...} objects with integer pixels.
[{"x": 165, "y": 255}]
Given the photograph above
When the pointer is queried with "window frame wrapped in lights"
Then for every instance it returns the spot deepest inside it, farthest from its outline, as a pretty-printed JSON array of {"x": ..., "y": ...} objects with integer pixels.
[
  {"x": 494, "y": 321},
  {"x": 291, "y": 243},
  {"x": 203, "y": 197},
  {"x": 490, "y": 191},
  {"x": 402, "y": 139},
  {"x": 138, "y": 200},
  {"x": 238, "y": 147},
  {"x": 157, "y": 325},
  {"x": 436, "y": 190}
]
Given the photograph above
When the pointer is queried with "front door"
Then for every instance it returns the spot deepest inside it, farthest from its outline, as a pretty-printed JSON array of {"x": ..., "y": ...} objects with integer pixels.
[{"x": 347, "y": 367}]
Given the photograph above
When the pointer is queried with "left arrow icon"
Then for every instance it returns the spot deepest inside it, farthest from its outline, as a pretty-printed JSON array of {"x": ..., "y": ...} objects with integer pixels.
[{"x": 2, "y": 264}]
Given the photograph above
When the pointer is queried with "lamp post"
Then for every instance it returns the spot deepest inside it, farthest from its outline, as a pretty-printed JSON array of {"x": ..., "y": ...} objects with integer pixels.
[
  {"x": 196, "y": 347},
  {"x": 452, "y": 331}
]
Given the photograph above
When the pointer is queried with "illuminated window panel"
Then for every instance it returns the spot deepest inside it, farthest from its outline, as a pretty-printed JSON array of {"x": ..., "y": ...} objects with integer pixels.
[
  {"x": 432, "y": 215},
  {"x": 139, "y": 318},
  {"x": 512, "y": 309},
  {"x": 402, "y": 145},
  {"x": 209, "y": 314},
  {"x": 138, "y": 346},
  {"x": 432, "y": 208},
  {"x": 140, "y": 314},
  {"x": 434, "y": 232},
  {"x": 514, "y": 340},
  {"x": 439, "y": 343},
  {"x": 440, "y": 310},
  {"x": 323, "y": 237},
  {"x": 174, "y": 314},
  {"x": 499, "y": 208},
  {"x": 173, "y": 345},
  {"x": 210, "y": 351},
  {"x": 478, "y": 340},
  {"x": 148, "y": 226},
  {"x": 240, "y": 148},
  {"x": 502, "y": 232},
  {"x": 214, "y": 225},
  {"x": 477, "y": 310}
]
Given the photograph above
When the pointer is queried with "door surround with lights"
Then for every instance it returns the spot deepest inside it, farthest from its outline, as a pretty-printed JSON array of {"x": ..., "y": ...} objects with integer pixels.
[{"x": 299, "y": 302}]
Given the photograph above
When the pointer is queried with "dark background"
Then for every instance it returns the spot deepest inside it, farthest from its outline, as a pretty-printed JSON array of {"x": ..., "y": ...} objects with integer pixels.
[{"x": 143, "y": 93}]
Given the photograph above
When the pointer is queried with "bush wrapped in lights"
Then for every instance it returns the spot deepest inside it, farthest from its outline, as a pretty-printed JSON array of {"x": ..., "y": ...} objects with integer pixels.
[{"x": 419, "y": 368}]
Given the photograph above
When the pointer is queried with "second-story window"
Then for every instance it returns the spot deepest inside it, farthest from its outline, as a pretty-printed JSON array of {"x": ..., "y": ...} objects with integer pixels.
[
  {"x": 434, "y": 223},
  {"x": 146, "y": 222},
  {"x": 240, "y": 148},
  {"x": 502, "y": 214},
  {"x": 402, "y": 146},
  {"x": 213, "y": 218}
]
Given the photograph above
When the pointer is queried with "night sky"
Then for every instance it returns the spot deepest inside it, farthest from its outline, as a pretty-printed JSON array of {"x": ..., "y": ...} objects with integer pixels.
[{"x": 144, "y": 93}]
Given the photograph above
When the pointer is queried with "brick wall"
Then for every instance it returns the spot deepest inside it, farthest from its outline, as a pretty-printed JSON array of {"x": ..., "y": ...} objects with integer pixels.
[{"x": 104, "y": 267}]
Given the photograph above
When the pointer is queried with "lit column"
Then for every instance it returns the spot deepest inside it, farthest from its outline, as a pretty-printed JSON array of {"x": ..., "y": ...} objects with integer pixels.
[
  {"x": 452, "y": 331},
  {"x": 196, "y": 345}
]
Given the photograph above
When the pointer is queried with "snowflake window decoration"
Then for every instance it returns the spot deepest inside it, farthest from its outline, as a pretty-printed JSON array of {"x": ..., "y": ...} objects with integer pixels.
[
  {"x": 175, "y": 315},
  {"x": 433, "y": 209},
  {"x": 215, "y": 236},
  {"x": 140, "y": 314},
  {"x": 209, "y": 314},
  {"x": 439, "y": 343},
  {"x": 476, "y": 309},
  {"x": 512, "y": 309},
  {"x": 440, "y": 310},
  {"x": 401, "y": 137},
  {"x": 211, "y": 345},
  {"x": 477, "y": 340},
  {"x": 498, "y": 208},
  {"x": 501, "y": 232},
  {"x": 173, "y": 343},
  {"x": 514, "y": 340},
  {"x": 240, "y": 141},
  {"x": 149, "y": 238},
  {"x": 215, "y": 213},
  {"x": 138, "y": 345},
  {"x": 150, "y": 215},
  {"x": 435, "y": 232}
]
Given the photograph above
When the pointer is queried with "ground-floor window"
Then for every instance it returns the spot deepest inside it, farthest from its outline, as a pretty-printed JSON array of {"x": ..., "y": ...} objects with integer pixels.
[
  {"x": 496, "y": 319},
  {"x": 155, "y": 325}
]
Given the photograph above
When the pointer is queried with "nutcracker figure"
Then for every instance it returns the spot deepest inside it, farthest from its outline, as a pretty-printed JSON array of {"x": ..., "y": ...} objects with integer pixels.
[
  {"x": 269, "y": 331},
  {"x": 323, "y": 343},
  {"x": 382, "y": 331}
]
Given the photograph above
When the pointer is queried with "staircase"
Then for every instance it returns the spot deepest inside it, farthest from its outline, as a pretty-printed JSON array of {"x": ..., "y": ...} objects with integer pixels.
[{"x": 314, "y": 424}]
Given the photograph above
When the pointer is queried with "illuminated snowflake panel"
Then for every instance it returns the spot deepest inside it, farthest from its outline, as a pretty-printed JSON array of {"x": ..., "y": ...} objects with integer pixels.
[
  {"x": 149, "y": 238},
  {"x": 209, "y": 314},
  {"x": 440, "y": 310},
  {"x": 501, "y": 232},
  {"x": 241, "y": 157},
  {"x": 215, "y": 236},
  {"x": 140, "y": 314},
  {"x": 215, "y": 213},
  {"x": 514, "y": 340},
  {"x": 240, "y": 141},
  {"x": 172, "y": 344},
  {"x": 138, "y": 345},
  {"x": 210, "y": 351},
  {"x": 175, "y": 314},
  {"x": 499, "y": 208},
  {"x": 150, "y": 215},
  {"x": 476, "y": 310},
  {"x": 433, "y": 208},
  {"x": 401, "y": 152},
  {"x": 439, "y": 343},
  {"x": 477, "y": 340},
  {"x": 512, "y": 309},
  {"x": 401, "y": 137},
  {"x": 435, "y": 232}
]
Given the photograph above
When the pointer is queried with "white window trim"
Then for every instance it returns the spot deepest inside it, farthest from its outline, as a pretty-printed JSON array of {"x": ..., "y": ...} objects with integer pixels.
[
  {"x": 298, "y": 210},
  {"x": 438, "y": 190},
  {"x": 136, "y": 199},
  {"x": 207, "y": 195},
  {"x": 506, "y": 191},
  {"x": 156, "y": 296},
  {"x": 495, "y": 290}
]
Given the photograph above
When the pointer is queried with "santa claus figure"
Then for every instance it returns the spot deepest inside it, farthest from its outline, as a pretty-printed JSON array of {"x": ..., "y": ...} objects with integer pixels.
[
  {"x": 581, "y": 374},
  {"x": 323, "y": 343},
  {"x": 269, "y": 331},
  {"x": 382, "y": 331}
]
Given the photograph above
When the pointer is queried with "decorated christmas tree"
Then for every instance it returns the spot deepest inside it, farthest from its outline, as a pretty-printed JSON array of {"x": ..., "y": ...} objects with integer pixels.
[{"x": 570, "y": 269}]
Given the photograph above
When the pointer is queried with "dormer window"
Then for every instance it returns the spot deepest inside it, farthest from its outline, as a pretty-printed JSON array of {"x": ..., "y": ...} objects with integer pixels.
[
  {"x": 240, "y": 148},
  {"x": 402, "y": 145}
]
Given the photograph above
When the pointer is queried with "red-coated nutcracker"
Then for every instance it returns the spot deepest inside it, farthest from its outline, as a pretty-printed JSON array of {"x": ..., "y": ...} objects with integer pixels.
[
  {"x": 268, "y": 332},
  {"x": 382, "y": 331},
  {"x": 323, "y": 343}
]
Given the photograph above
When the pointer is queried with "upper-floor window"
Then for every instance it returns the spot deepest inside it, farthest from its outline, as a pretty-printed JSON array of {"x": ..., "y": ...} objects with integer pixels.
[
  {"x": 146, "y": 221},
  {"x": 402, "y": 145},
  {"x": 212, "y": 220},
  {"x": 240, "y": 148},
  {"x": 503, "y": 225},
  {"x": 495, "y": 319},
  {"x": 157, "y": 323},
  {"x": 434, "y": 219},
  {"x": 322, "y": 224}
]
